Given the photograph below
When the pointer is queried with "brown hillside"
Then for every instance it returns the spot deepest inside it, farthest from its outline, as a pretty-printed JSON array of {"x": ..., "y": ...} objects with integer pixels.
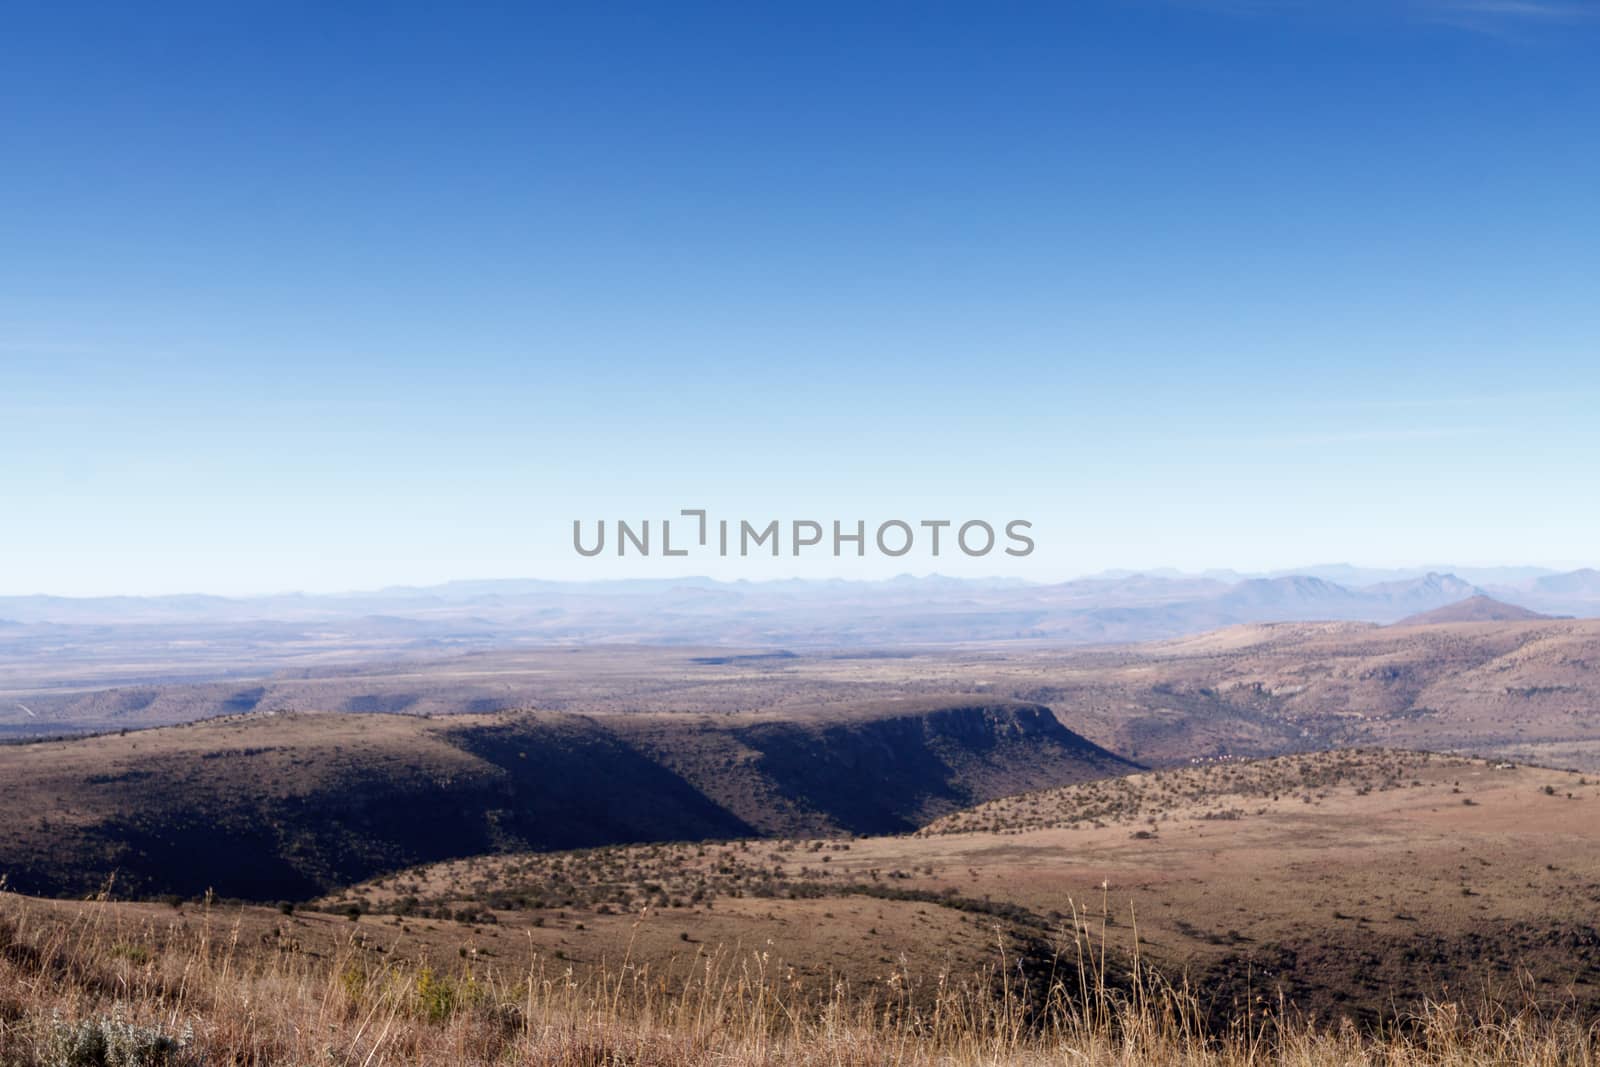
[
  {"x": 286, "y": 806},
  {"x": 1527, "y": 689},
  {"x": 1356, "y": 883},
  {"x": 1473, "y": 609}
]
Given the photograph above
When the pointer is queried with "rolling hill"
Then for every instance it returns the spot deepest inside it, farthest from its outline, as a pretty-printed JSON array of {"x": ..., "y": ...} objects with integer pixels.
[
  {"x": 287, "y": 806},
  {"x": 1478, "y": 608},
  {"x": 1522, "y": 689},
  {"x": 1355, "y": 883}
]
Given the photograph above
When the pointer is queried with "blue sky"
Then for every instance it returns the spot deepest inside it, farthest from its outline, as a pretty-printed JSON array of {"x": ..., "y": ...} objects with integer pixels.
[{"x": 324, "y": 297}]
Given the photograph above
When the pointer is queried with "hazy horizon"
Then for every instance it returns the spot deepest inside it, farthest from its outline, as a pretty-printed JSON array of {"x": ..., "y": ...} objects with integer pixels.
[{"x": 1360, "y": 574}]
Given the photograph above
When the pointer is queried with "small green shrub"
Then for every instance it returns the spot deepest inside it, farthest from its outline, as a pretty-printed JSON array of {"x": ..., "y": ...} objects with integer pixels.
[{"x": 112, "y": 1042}]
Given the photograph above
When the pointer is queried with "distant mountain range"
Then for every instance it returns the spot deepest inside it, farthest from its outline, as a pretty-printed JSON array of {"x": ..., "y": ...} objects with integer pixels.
[
  {"x": 1115, "y": 606},
  {"x": 128, "y": 639}
]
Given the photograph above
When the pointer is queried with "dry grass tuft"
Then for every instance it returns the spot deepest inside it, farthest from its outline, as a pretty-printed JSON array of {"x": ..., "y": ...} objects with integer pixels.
[{"x": 95, "y": 992}]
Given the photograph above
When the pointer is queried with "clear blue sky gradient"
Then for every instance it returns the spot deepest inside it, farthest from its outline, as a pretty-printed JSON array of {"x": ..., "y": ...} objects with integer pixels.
[{"x": 338, "y": 296}]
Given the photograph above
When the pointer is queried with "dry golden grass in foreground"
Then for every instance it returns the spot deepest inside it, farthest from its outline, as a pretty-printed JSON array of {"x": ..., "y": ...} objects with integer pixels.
[{"x": 92, "y": 991}]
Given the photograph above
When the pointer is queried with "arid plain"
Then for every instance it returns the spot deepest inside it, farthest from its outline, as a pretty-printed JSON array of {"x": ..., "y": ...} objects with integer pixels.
[{"x": 1342, "y": 817}]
